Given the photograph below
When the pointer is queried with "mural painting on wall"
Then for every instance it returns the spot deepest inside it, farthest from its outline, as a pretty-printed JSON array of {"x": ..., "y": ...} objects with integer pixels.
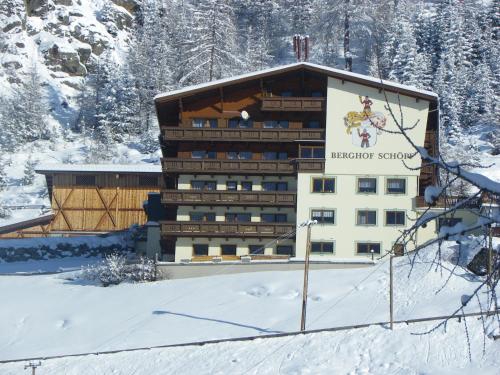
[{"x": 364, "y": 126}]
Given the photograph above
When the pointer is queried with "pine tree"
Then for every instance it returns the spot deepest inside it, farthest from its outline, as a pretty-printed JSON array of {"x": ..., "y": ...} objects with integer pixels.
[
  {"x": 3, "y": 175},
  {"x": 29, "y": 171},
  {"x": 213, "y": 51}
]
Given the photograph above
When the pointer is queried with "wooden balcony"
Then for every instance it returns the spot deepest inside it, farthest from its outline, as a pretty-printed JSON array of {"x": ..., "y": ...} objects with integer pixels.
[
  {"x": 310, "y": 165},
  {"x": 448, "y": 202},
  {"x": 244, "y": 135},
  {"x": 240, "y": 198},
  {"x": 224, "y": 229},
  {"x": 299, "y": 104},
  {"x": 215, "y": 166}
]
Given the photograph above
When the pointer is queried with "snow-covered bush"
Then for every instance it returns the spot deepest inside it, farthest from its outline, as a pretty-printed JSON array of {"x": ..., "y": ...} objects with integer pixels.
[{"x": 114, "y": 269}]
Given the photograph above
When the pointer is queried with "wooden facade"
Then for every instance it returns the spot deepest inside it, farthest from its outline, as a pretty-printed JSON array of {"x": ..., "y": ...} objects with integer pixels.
[{"x": 91, "y": 202}]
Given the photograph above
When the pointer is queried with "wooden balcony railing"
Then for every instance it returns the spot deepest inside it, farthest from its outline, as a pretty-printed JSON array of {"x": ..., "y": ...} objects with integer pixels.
[
  {"x": 223, "y": 229},
  {"x": 246, "y": 135},
  {"x": 214, "y": 166},
  {"x": 448, "y": 202},
  {"x": 243, "y": 198},
  {"x": 310, "y": 165},
  {"x": 285, "y": 103}
]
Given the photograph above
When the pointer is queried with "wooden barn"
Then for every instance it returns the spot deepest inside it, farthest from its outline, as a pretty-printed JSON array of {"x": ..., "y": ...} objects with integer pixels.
[{"x": 101, "y": 198}]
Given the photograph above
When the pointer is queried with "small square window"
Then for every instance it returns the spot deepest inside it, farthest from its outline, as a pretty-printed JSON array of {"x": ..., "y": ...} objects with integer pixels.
[
  {"x": 200, "y": 249},
  {"x": 232, "y": 185},
  {"x": 323, "y": 185},
  {"x": 366, "y": 217},
  {"x": 323, "y": 216},
  {"x": 228, "y": 249},
  {"x": 246, "y": 185},
  {"x": 367, "y": 185},
  {"x": 395, "y": 218},
  {"x": 284, "y": 250},
  {"x": 148, "y": 181},
  {"x": 322, "y": 247},
  {"x": 396, "y": 186},
  {"x": 85, "y": 180},
  {"x": 255, "y": 249},
  {"x": 368, "y": 247}
]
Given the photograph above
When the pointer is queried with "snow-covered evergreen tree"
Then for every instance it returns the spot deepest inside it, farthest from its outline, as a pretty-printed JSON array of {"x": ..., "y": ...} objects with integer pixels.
[{"x": 29, "y": 171}]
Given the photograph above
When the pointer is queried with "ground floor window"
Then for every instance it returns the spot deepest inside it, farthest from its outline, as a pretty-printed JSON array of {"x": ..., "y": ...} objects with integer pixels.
[
  {"x": 255, "y": 249},
  {"x": 284, "y": 250},
  {"x": 395, "y": 218},
  {"x": 322, "y": 247},
  {"x": 200, "y": 249},
  {"x": 448, "y": 222},
  {"x": 228, "y": 249},
  {"x": 368, "y": 247}
]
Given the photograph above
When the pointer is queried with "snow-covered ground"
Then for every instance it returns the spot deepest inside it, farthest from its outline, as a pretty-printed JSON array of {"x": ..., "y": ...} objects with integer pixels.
[
  {"x": 60, "y": 315},
  {"x": 374, "y": 350}
]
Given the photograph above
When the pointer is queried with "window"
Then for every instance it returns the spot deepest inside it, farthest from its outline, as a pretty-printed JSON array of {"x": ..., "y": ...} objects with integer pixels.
[
  {"x": 228, "y": 249},
  {"x": 273, "y": 155},
  {"x": 448, "y": 222},
  {"x": 274, "y": 186},
  {"x": 255, "y": 249},
  {"x": 286, "y": 94},
  {"x": 246, "y": 185},
  {"x": 242, "y": 155},
  {"x": 203, "y": 185},
  {"x": 85, "y": 180},
  {"x": 322, "y": 247},
  {"x": 367, "y": 247},
  {"x": 284, "y": 250},
  {"x": 366, "y": 217},
  {"x": 367, "y": 185},
  {"x": 396, "y": 186},
  {"x": 148, "y": 181},
  {"x": 238, "y": 217},
  {"x": 232, "y": 185},
  {"x": 204, "y": 123},
  {"x": 200, "y": 250},
  {"x": 312, "y": 124},
  {"x": 240, "y": 123},
  {"x": 309, "y": 152},
  {"x": 273, "y": 124},
  {"x": 323, "y": 185},
  {"x": 323, "y": 216},
  {"x": 202, "y": 154},
  {"x": 316, "y": 94},
  {"x": 273, "y": 218},
  {"x": 202, "y": 216},
  {"x": 395, "y": 218}
]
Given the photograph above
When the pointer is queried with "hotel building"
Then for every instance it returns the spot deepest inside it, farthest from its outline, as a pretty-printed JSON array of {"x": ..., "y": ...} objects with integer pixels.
[{"x": 247, "y": 159}]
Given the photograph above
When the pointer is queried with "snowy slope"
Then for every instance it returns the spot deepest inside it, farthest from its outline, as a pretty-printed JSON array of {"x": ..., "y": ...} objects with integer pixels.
[
  {"x": 374, "y": 351},
  {"x": 60, "y": 316}
]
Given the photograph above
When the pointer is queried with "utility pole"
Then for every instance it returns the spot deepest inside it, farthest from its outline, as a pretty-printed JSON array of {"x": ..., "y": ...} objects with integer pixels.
[
  {"x": 33, "y": 366},
  {"x": 306, "y": 274},
  {"x": 490, "y": 253},
  {"x": 391, "y": 294}
]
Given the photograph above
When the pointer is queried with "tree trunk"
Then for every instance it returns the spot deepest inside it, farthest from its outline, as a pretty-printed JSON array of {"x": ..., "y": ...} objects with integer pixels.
[{"x": 347, "y": 50}]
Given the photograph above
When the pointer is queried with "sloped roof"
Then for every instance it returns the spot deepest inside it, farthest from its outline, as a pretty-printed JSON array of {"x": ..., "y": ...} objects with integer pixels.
[
  {"x": 113, "y": 168},
  {"x": 25, "y": 223},
  {"x": 337, "y": 73}
]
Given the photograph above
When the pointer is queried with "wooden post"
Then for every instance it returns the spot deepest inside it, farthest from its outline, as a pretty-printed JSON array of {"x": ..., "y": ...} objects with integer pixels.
[
  {"x": 490, "y": 252},
  {"x": 391, "y": 294},
  {"x": 306, "y": 277}
]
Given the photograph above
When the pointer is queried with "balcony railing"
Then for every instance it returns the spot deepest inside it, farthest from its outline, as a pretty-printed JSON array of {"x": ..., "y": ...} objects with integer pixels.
[
  {"x": 310, "y": 165},
  {"x": 448, "y": 202},
  {"x": 246, "y": 135},
  {"x": 243, "y": 198},
  {"x": 214, "y": 229},
  {"x": 214, "y": 166},
  {"x": 285, "y": 103}
]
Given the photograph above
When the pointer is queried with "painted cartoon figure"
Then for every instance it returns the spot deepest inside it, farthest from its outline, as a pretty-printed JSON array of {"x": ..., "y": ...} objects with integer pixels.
[
  {"x": 365, "y": 138},
  {"x": 367, "y": 105}
]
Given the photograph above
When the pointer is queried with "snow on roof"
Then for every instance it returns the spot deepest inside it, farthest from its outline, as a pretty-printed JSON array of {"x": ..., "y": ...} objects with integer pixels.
[
  {"x": 121, "y": 168},
  {"x": 325, "y": 69}
]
